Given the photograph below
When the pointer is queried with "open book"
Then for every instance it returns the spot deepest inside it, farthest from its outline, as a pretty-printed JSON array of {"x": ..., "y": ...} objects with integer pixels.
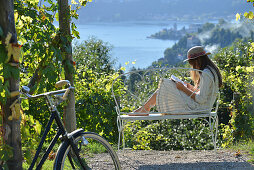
[{"x": 176, "y": 79}]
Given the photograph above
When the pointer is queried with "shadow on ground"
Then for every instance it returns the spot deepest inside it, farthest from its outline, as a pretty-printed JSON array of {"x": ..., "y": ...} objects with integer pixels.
[{"x": 200, "y": 166}]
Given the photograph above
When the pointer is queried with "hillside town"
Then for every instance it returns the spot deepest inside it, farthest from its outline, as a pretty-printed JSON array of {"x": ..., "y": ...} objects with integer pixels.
[{"x": 174, "y": 33}]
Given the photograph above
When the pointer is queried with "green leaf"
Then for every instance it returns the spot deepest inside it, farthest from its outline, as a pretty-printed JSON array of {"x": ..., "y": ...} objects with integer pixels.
[
  {"x": 34, "y": 2},
  {"x": 15, "y": 72},
  {"x": 74, "y": 2},
  {"x": 250, "y": 15},
  {"x": 3, "y": 54},
  {"x": 76, "y": 34},
  {"x": 57, "y": 16},
  {"x": 6, "y": 71},
  {"x": 1, "y": 32},
  {"x": 237, "y": 16},
  {"x": 246, "y": 14},
  {"x": 38, "y": 127}
]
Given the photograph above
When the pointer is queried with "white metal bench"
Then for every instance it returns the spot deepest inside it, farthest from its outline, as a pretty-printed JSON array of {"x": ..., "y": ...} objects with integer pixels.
[{"x": 139, "y": 85}]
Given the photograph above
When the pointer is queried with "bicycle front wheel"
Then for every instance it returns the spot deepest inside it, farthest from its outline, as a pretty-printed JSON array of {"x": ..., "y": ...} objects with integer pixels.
[{"x": 95, "y": 153}]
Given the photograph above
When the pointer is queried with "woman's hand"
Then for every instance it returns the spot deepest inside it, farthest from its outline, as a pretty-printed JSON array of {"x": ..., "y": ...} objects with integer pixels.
[
  {"x": 180, "y": 86},
  {"x": 192, "y": 88},
  {"x": 186, "y": 90}
]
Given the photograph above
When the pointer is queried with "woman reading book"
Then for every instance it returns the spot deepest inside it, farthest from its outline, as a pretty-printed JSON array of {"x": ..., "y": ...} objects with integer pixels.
[{"x": 173, "y": 96}]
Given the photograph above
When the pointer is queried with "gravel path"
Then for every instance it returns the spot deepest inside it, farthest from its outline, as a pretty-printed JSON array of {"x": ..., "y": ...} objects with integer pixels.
[{"x": 183, "y": 160}]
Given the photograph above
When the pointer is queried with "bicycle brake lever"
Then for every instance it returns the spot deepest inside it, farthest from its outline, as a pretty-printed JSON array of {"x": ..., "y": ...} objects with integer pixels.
[{"x": 25, "y": 89}]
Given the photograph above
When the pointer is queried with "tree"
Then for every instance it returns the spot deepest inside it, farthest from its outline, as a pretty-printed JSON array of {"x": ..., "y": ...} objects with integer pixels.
[
  {"x": 94, "y": 54},
  {"x": 10, "y": 53},
  {"x": 65, "y": 15},
  {"x": 66, "y": 50},
  {"x": 95, "y": 107}
]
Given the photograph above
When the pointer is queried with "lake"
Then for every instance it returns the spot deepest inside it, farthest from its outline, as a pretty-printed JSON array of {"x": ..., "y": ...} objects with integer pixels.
[{"x": 129, "y": 40}]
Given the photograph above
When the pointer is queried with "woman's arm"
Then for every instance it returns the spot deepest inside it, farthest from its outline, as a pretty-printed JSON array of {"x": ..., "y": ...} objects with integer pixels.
[
  {"x": 189, "y": 86},
  {"x": 186, "y": 90}
]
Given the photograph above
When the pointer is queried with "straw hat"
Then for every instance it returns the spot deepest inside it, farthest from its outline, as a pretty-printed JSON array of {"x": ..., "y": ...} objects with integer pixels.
[{"x": 196, "y": 52}]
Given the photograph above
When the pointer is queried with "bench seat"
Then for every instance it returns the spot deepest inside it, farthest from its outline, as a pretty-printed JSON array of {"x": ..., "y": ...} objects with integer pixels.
[{"x": 160, "y": 116}]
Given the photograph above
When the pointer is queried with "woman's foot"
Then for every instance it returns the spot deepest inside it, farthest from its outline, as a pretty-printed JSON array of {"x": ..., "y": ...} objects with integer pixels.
[{"x": 140, "y": 112}]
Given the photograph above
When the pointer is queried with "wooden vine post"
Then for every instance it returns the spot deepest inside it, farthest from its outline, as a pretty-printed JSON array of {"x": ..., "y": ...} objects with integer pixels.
[
  {"x": 10, "y": 107},
  {"x": 66, "y": 51}
]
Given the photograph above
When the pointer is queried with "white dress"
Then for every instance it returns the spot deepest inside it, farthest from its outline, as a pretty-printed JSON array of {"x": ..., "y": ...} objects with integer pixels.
[{"x": 171, "y": 100}]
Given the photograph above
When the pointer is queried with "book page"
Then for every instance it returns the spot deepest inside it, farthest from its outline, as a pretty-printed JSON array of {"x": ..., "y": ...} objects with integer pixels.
[{"x": 177, "y": 80}]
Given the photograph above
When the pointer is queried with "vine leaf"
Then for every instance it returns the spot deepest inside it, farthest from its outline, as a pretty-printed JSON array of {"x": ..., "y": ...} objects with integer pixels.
[
  {"x": 3, "y": 53},
  {"x": 1, "y": 32}
]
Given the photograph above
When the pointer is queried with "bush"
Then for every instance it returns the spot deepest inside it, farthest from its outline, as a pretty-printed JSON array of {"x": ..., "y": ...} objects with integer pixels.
[
  {"x": 236, "y": 64},
  {"x": 95, "y": 107},
  {"x": 168, "y": 134}
]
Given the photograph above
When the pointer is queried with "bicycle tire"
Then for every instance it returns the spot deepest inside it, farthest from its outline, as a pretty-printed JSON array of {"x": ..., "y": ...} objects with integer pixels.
[{"x": 106, "y": 158}]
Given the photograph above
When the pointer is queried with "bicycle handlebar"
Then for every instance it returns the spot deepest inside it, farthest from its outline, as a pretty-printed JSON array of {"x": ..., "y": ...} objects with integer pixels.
[{"x": 64, "y": 92}]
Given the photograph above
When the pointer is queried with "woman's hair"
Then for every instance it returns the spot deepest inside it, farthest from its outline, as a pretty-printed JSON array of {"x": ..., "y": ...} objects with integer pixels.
[{"x": 201, "y": 63}]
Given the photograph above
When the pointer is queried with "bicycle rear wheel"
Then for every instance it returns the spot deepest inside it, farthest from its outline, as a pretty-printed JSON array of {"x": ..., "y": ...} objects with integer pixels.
[{"x": 94, "y": 151}]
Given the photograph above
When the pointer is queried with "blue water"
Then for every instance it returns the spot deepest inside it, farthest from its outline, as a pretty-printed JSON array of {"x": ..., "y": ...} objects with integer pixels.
[{"x": 129, "y": 41}]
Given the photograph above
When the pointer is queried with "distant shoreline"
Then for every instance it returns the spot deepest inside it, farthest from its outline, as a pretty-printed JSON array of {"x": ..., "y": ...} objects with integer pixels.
[{"x": 156, "y": 21}]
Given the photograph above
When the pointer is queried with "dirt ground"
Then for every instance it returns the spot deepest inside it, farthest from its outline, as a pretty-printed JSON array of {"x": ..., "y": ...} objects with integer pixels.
[{"x": 184, "y": 160}]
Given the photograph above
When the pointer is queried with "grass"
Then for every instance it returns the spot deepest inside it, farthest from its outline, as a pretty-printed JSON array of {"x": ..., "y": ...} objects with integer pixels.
[
  {"x": 92, "y": 148},
  {"x": 245, "y": 147},
  {"x": 47, "y": 165},
  {"x": 96, "y": 148}
]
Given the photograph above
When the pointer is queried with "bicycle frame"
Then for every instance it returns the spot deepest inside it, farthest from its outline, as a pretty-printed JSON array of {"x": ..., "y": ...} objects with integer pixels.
[{"x": 61, "y": 130}]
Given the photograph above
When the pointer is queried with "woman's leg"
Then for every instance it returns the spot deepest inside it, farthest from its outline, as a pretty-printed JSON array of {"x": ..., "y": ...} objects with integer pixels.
[{"x": 151, "y": 102}]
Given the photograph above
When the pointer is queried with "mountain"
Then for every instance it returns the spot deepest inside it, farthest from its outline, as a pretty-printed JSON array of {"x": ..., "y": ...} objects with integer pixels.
[
  {"x": 211, "y": 36},
  {"x": 126, "y": 10}
]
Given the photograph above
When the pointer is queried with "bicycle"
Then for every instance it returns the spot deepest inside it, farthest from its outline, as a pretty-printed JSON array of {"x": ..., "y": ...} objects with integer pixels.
[{"x": 75, "y": 150}]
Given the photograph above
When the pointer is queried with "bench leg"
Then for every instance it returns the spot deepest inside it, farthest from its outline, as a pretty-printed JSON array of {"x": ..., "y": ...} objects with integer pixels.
[
  {"x": 213, "y": 123},
  {"x": 121, "y": 126},
  {"x": 216, "y": 130},
  {"x": 123, "y": 139},
  {"x": 119, "y": 140}
]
